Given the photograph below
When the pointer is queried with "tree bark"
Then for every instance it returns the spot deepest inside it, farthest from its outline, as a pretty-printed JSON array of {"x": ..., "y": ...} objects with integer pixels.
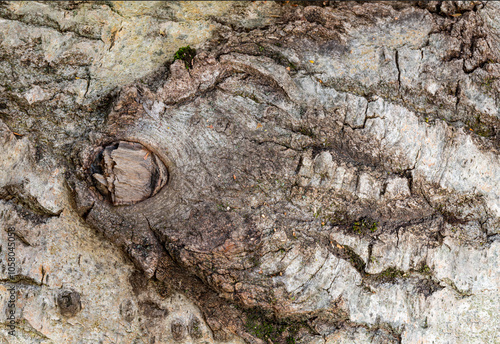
[{"x": 317, "y": 172}]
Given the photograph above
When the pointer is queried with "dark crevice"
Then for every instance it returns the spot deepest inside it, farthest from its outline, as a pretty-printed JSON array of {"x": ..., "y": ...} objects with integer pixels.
[
  {"x": 52, "y": 25},
  {"x": 24, "y": 241},
  {"x": 23, "y": 280},
  {"x": 86, "y": 211},
  {"x": 18, "y": 194},
  {"x": 457, "y": 95}
]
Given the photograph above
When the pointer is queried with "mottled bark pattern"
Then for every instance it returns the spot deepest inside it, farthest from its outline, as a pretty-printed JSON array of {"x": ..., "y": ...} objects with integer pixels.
[{"x": 330, "y": 168}]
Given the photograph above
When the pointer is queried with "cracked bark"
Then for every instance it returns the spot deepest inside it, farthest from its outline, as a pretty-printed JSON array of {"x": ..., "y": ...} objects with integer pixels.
[{"x": 242, "y": 130}]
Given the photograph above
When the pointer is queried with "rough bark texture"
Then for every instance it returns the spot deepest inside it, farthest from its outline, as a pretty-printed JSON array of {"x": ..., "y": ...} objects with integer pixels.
[{"x": 317, "y": 173}]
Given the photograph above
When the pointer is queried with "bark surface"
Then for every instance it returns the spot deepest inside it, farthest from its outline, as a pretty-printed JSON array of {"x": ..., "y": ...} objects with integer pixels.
[{"x": 316, "y": 173}]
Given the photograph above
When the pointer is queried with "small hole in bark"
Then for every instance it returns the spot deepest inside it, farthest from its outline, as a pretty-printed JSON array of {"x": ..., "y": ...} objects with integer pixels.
[
  {"x": 69, "y": 303},
  {"x": 127, "y": 172}
]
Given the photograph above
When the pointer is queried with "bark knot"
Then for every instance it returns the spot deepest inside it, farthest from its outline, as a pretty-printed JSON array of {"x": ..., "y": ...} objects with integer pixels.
[{"x": 127, "y": 172}]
